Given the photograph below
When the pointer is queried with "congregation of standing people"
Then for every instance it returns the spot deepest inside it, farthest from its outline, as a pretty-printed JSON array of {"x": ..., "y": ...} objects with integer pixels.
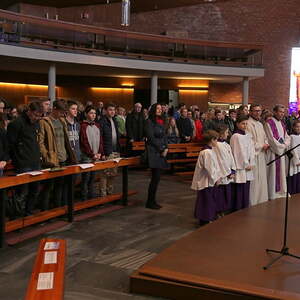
[{"x": 230, "y": 173}]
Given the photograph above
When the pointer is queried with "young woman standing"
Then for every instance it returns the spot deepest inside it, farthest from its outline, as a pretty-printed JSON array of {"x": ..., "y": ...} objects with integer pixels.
[{"x": 157, "y": 149}]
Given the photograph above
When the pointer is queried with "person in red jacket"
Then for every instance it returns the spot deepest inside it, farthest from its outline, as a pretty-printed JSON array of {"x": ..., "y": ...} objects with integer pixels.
[
  {"x": 198, "y": 127},
  {"x": 91, "y": 150}
]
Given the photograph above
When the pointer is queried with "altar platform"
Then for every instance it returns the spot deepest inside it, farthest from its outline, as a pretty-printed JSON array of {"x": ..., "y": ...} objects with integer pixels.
[{"x": 225, "y": 259}]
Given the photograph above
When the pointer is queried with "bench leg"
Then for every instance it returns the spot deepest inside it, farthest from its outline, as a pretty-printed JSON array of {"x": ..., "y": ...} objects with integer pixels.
[
  {"x": 125, "y": 185},
  {"x": 2, "y": 218},
  {"x": 70, "y": 181}
]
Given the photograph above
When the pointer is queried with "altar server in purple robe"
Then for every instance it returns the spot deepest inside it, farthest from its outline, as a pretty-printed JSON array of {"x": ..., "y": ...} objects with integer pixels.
[
  {"x": 227, "y": 167},
  {"x": 206, "y": 178},
  {"x": 244, "y": 156},
  {"x": 294, "y": 180},
  {"x": 279, "y": 142}
]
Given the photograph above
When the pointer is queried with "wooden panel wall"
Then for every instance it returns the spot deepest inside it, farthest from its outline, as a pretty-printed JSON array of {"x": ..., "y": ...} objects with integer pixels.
[
  {"x": 79, "y": 88},
  {"x": 194, "y": 97},
  {"x": 15, "y": 94},
  {"x": 119, "y": 96},
  {"x": 174, "y": 84},
  {"x": 226, "y": 93}
]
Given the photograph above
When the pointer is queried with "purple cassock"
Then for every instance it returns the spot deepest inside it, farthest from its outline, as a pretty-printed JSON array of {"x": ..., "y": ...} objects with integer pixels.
[
  {"x": 224, "y": 198},
  {"x": 293, "y": 184},
  {"x": 240, "y": 197},
  {"x": 206, "y": 206}
]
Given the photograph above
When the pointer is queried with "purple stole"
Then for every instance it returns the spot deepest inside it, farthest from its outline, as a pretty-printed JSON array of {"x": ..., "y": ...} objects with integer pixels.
[{"x": 277, "y": 162}]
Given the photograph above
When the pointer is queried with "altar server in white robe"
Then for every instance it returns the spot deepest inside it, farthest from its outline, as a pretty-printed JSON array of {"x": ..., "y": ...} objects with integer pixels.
[
  {"x": 259, "y": 185},
  {"x": 279, "y": 142},
  {"x": 294, "y": 179},
  {"x": 206, "y": 178},
  {"x": 244, "y": 156},
  {"x": 227, "y": 168}
]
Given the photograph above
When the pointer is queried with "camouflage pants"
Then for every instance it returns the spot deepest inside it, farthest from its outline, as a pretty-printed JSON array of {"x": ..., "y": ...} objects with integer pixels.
[{"x": 107, "y": 177}]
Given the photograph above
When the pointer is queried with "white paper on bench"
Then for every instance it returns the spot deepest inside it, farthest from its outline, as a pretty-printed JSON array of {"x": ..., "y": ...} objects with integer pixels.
[
  {"x": 51, "y": 246},
  {"x": 50, "y": 257},
  {"x": 85, "y": 166},
  {"x": 32, "y": 173},
  {"x": 117, "y": 160},
  {"x": 45, "y": 281}
]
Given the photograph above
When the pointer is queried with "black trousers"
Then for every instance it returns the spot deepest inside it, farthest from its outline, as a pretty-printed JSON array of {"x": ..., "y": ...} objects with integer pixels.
[
  {"x": 27, "y": 195},
  {"x": 155, "y": 178},
  {"x": 87, "y": 185}
]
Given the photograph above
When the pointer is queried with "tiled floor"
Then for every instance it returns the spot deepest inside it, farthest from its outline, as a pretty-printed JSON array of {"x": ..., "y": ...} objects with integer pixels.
[{"x": 103, "y": 251}]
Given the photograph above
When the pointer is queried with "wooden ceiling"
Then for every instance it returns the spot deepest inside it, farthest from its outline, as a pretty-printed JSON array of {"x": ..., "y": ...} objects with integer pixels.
[{"x": 137, "y": 5}]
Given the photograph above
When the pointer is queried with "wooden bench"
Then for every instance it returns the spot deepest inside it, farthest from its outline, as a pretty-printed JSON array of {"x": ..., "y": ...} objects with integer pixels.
[
  {"x": 189, "y": 150},
  {"x": 7, "y": 182},
  {"x": 43, "y": 216},
  {"x": 48, "y": 274}
]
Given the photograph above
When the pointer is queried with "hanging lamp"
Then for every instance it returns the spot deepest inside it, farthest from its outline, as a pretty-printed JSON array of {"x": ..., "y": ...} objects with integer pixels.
[{"x": 125, "y": 13}]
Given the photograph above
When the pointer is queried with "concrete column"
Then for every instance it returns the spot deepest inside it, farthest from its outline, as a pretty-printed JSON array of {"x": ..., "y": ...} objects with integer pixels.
[
  {"x": 245, "y": 90},
  {"x": 154, "y": 87},
  {"x": 52, "y": 83}
]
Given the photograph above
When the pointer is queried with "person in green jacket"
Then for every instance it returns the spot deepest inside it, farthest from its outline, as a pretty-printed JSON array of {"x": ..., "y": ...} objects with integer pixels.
[{"x": 121, "y": 119}]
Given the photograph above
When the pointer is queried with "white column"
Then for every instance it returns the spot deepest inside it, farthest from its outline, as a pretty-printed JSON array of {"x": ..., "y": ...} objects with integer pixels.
[
  {"x": 154, "y": 87},
  {"x": 52, "y": 83},
  {"x": 245, "y": 90}
]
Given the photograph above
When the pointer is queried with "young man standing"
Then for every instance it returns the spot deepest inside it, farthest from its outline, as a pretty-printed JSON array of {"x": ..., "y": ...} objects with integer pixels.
[
  {"x": 25, "y": 154},
  {"x": 111, "y": 146},
  {"x": 73, "y": 128},
  {"x": 56, "y": 151},
  {"x": 46, "y": 107}
]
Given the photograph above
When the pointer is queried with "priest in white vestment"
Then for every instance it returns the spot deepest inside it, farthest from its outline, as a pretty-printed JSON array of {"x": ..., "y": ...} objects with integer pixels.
[
  {"x": 279, "y": 142},
  {"x": 258, "y": 186}
]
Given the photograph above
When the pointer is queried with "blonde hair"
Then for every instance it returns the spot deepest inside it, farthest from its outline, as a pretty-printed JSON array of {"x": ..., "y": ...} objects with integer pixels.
[{"x": 170, "y": 127}]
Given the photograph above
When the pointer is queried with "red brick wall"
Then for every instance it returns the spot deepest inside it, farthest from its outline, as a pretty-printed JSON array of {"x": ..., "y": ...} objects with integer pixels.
[{"x": 273, "y": 22}]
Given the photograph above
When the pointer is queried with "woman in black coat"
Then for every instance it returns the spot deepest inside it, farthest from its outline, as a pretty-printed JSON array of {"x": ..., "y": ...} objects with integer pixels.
[{"x": 156, "y": 149}]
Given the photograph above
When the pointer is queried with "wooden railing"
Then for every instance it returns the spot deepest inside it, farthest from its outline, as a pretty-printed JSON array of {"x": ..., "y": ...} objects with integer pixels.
[
  {"x": 39, "y": 31},
  {"x": 68, "y": 172}
]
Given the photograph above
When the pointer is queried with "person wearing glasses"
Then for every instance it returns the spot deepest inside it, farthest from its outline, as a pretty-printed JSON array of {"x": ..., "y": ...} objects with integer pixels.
[{"x": 258, "y": 186}]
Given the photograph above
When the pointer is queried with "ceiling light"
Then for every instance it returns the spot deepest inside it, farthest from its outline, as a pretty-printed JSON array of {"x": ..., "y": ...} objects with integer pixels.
[{"x": 125, "y": 13}]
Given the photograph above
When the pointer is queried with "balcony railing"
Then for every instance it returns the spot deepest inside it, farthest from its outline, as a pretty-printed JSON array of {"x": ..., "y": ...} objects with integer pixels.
[{"x": 45, "y": 33}]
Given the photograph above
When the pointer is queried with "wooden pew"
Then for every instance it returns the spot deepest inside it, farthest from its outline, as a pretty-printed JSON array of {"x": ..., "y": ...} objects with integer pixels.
[
  {"x": 71, "y": 207},
  {"x": 60, "y": 211},
  {"x": 190, "y": 150},
  {"x": 50, "y": 265}
]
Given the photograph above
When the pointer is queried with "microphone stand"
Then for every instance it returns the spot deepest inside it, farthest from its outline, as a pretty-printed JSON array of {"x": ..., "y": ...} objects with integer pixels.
[{"x": 284, "y": 250}]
